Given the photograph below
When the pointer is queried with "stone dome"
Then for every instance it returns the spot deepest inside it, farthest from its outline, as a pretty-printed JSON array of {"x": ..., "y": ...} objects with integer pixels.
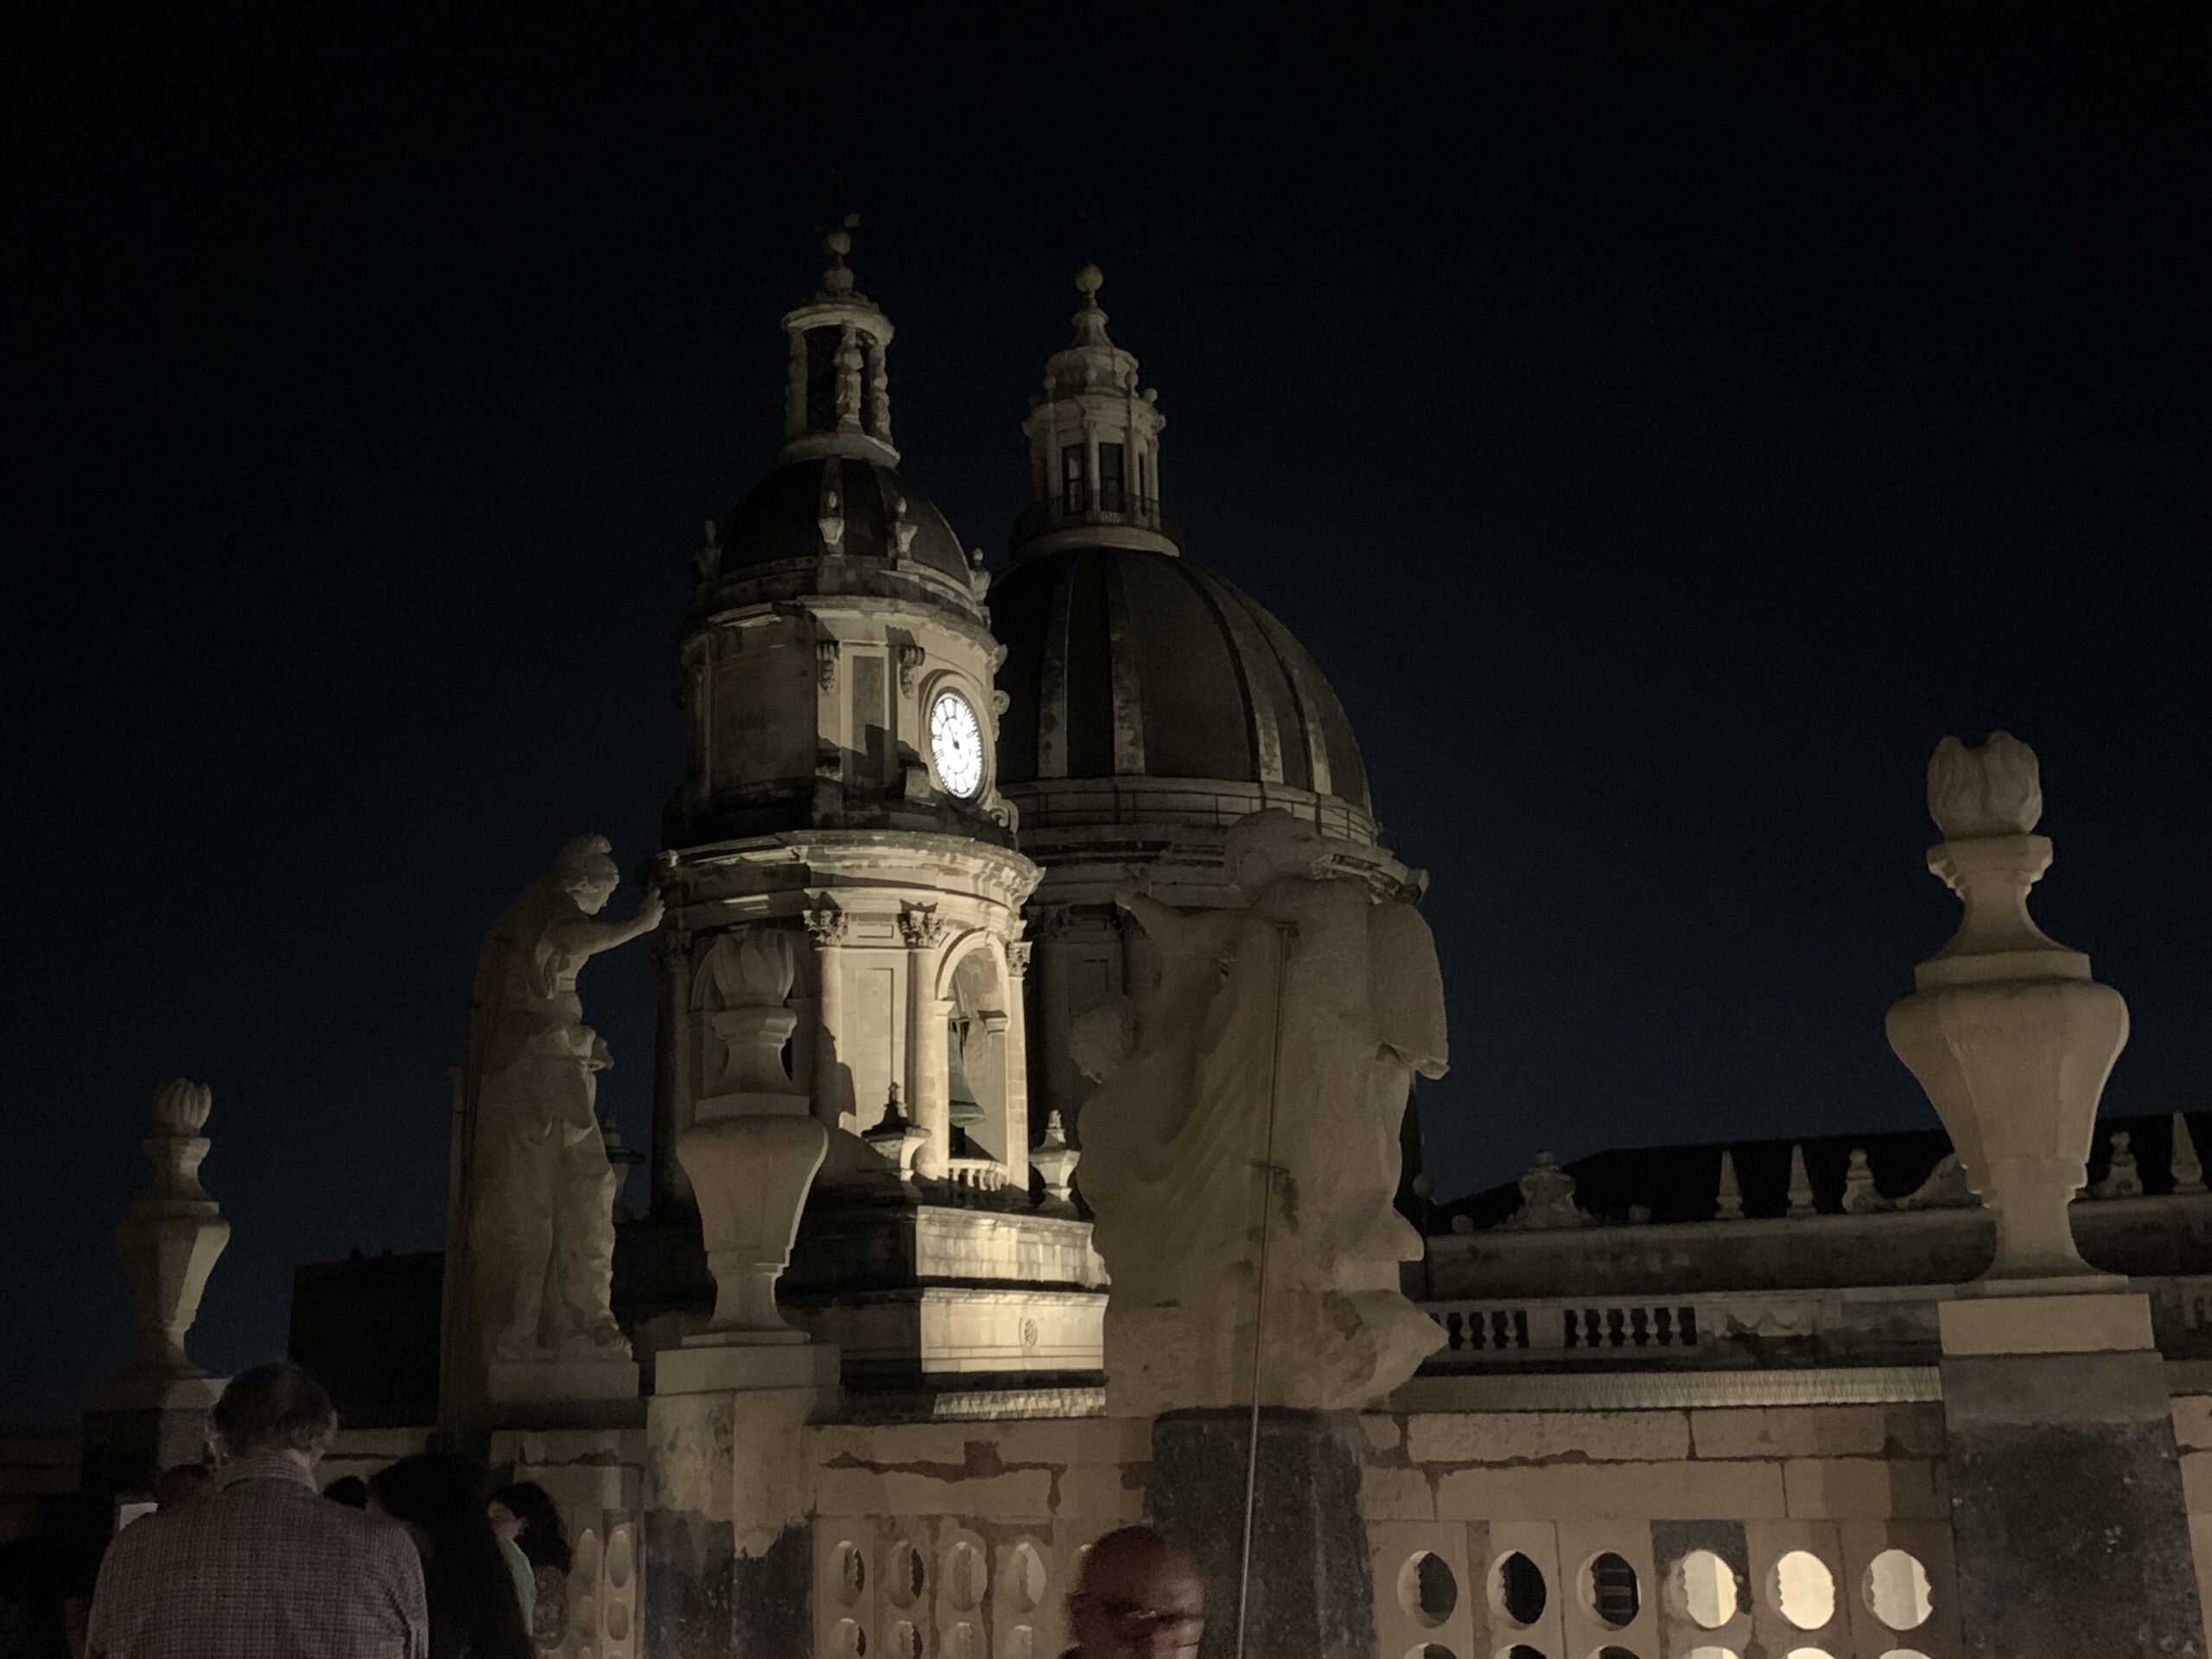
[
  {"x": 1126, "y": 662},
  {"x": 781, "y": 520}
]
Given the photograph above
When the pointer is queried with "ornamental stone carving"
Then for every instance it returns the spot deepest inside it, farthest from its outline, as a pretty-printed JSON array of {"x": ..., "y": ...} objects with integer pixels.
[
  {"x": 170, "y": 1238},
  {"x": 753, "y": 1147},
  {"x": 2006, "y": 1031},
  {"x": 1263, "y": 1098}
]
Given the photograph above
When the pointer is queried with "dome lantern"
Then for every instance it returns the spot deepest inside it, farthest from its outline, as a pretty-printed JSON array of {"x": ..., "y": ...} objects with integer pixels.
[
  {"x": 837, "y": 390},
  {"x": 1093, "y": 446}
]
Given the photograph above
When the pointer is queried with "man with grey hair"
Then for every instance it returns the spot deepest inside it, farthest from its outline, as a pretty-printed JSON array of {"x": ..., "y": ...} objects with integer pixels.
[
  {"x": 1138, "y": 1597},
  {"x": 263, "y": 1568}
]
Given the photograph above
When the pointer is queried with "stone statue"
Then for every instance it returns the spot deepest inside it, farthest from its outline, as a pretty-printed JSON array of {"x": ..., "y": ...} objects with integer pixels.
[
  {"x": 1265, "y": 1089},
  {"x": 541, "y": 1189}
]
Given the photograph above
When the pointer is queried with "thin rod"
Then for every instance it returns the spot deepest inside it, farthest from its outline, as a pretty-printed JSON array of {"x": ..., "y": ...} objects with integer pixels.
[{"x": 1285, "y": 938}]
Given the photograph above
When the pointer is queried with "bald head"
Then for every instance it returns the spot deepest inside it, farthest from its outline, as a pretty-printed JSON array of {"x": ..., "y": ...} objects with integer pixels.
[{"x": 1138, "y": 1598}]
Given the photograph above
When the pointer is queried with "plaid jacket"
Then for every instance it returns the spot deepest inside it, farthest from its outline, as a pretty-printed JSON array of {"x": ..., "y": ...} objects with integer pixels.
[{"x": 264, "y": 1567}]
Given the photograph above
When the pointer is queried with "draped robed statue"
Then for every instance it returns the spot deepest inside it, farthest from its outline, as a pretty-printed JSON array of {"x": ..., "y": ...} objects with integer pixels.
[
  {"x": 1264, "y": 1094},
  {"x": 541, "y": 1189}
]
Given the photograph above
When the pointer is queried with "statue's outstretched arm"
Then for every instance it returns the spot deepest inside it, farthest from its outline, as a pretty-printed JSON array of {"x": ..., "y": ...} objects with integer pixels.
[
  {"x": 584, "y": 936},
  {"x": 1181, "y": 933}
]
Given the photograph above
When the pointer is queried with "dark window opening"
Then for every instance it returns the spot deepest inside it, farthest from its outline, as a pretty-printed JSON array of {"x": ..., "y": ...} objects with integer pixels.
[
  {"x": 822, "y": 345},
  {"x": 868, "y": 349},
  {"x": 1074, "y": 487},
  {"x": 1110, "y": 478}
]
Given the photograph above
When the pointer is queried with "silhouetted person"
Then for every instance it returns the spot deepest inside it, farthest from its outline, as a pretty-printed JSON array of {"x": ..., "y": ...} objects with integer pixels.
[
  {"x": 350, "y": 1489},
  {"x": 261, "y": 1568},
  {"x": 526, "y": 1514},
  {"x": 474, "y": 1610},
  {"x": 1138, "y": 1598}
]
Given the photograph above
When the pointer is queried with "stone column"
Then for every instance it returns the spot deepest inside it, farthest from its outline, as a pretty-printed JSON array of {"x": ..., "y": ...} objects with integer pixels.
[
  {"x": 728, "y": 1488},
  {"x": 928, "y": 1102},
  {"x": 674, "y": 1085},
  {"x": 2067, "y": 1516},
  {"x": 1017, "y": 1063},
  {"x": 1311, "y": 1590},
  {"x": 832, "y": 1101}
]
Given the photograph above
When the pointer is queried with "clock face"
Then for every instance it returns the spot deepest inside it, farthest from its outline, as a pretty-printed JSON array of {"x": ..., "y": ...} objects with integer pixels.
[{"x": 957, "y": 744}]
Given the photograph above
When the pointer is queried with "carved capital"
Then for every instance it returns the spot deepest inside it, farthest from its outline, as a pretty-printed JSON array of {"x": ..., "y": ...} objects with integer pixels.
[
  {"x": 911, "y": 659},
  {"x": 825, "y": 662},
  {"x": 921, "y": 927},
  {"x": 1017, "y": 958},
  {"x": 826, "y": 923}
]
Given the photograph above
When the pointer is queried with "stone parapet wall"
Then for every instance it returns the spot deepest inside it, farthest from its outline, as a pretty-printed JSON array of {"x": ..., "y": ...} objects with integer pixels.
[{"x": 1661, "y": 1534}]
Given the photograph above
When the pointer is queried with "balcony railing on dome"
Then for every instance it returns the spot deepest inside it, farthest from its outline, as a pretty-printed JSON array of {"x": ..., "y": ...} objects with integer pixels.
[{"x": 1053, "y": 513}]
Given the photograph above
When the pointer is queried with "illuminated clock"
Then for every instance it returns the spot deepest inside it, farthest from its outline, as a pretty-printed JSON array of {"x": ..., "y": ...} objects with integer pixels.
[{"x": 957, "y": 744}]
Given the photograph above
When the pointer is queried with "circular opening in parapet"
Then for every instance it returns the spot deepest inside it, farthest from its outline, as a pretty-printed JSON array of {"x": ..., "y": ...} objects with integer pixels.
[
  {"x": 1518, "y": 1650},
  {"x": 1803, "y": 1590},
  {"x": 1427, "y": 1587},
  {"x": 1025, "y": 1579},
  {"x": 1610, "y": 1591},
  {"x": 903, "y": 1582},
  {"x": 965, "y": 1575},
  {"x": 1429, "y": 1650},
  {"x": 1615, "y": 1653},
  {"x": 905, "y": 1641},
  {"x": 851, "y": 1573},
  {"x": 1516, "y": 1589},
  {"x": 1703, "y": 1590},
  {"x": 1896, "y": 1590},
  {"x": 848, "y": 1641}
]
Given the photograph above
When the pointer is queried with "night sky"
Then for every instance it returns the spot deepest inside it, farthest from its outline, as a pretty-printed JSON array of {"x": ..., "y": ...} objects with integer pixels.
[{"x": 1660, "y": 431}]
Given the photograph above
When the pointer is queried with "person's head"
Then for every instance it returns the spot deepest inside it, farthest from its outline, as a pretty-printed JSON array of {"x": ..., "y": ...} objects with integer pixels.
[
  {"x": 181, "y": 1483},
  {"x": 350, "y": 1489},
  {"x": 1138, "y": 1598},
  {"x": 526, "y": 1513},
  {"x": 276, "y": 1410},
  {"x": 439, "y": 1498}
]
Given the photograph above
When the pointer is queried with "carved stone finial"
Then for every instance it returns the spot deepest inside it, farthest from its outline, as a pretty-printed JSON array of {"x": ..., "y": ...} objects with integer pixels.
[
  {"x": 2188, "y": 1170},
  {"x": 1054, "y": 1159},
  {"x": 170, "y": 1238},
  {"x": 1546, "y": 1197},
  {"x": 1996, "y": 789},
  {"x": 2006, "y": 1030},
  {"x": 1801, "y": 1185},
  {"x": 2122, "y": 1180},
  {"x": 898, "y": 1137},
  {"x": 1728, "y": 1202},
  {"x": 1861, "y": 1196}
]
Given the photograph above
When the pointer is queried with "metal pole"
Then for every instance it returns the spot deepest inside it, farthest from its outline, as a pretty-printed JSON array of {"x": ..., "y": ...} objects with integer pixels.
[{"x": 1285, "y": 938}]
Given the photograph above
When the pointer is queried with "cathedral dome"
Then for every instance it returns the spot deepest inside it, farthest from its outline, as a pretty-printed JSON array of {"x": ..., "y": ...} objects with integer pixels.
[
  {"x": 783, "y": 518},
  {"x": 1130, "y": 663}
]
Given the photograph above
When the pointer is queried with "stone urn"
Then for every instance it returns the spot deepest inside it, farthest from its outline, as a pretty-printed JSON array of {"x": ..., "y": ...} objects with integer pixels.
[
  {"x": 2006, "y": 1031},
  {"x": 753, "y": 1144},
  {"x": 170, "y": 1239}
]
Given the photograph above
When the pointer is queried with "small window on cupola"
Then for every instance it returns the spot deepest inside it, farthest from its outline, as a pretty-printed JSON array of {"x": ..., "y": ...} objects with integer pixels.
[
  {"x": 1110, "y": 478},
  {"x": 1074, "y": 488},
  {"x": 822, "y": 347}
]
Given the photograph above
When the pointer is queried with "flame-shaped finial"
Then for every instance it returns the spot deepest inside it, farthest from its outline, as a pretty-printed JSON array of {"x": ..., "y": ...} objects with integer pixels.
[
  {"x": 181, "y": 1107},
  {"x": 1996, "y": 789}
]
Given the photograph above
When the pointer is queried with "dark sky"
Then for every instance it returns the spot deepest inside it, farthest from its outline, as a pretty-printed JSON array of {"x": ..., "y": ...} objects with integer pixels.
[{"x": 1660, "y": 431}]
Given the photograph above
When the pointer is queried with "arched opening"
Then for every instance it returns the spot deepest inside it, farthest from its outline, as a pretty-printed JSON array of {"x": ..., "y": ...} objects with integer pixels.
[{"x": 978, "y": 1058}]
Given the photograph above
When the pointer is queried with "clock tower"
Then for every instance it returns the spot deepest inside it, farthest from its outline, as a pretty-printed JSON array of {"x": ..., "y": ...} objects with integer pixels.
[{"x": 840, "y": 792}]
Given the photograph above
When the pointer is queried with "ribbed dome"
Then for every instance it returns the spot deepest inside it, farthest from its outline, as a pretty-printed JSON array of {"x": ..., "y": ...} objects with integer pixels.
[
  {"x": 1123, "y": 662},
  {"x": 781, "y": 519}
]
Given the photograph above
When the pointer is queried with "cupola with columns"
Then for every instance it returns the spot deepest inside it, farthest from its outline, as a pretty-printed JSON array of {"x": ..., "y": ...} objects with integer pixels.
[
  {"x": 1094, "y": 444},
  {"x": 840, "y": 790}
]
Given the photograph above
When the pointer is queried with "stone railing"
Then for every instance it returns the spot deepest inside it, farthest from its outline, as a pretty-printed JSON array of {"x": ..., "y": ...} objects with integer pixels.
[
  {"x": 980, "y": 1174},
  {"x": 1598, "y": 1329}
]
